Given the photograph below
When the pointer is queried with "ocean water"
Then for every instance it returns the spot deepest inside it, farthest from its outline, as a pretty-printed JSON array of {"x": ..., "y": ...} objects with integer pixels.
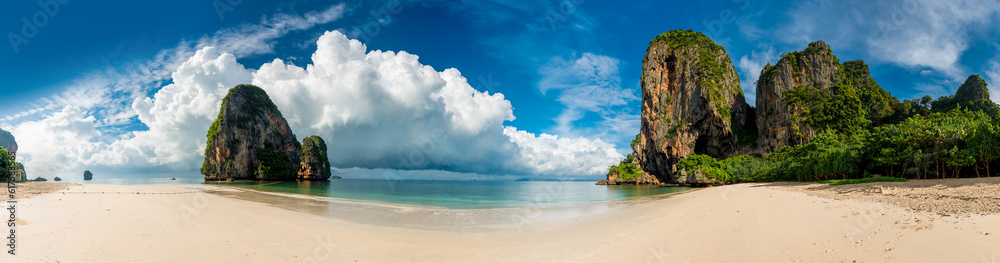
[
  {"x": 435, "y": 193},
  {"x": 135, "y": 181},
  {"x": 464, "y": 194}
]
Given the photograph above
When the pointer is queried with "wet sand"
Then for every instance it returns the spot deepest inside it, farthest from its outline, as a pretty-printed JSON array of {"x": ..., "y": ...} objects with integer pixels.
[{"x": 736, "y": 223}]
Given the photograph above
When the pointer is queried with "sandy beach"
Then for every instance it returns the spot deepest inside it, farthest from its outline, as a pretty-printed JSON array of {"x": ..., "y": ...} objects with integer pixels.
[{"x": 778, "y": 222}]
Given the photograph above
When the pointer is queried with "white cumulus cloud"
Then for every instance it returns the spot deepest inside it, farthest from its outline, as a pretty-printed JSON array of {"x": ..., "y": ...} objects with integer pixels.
[
  {"x": 177, "y": 117},
  {"x": 376, "y": 109},
  {"x": 383, "y": 109},
  {"x": 917, "y": 34},
  {"x": 57, "y": 142}
]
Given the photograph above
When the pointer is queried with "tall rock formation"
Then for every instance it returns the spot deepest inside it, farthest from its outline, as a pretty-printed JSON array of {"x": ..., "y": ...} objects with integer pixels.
[
  {"x": 250, "y": 140},
  {"x": 876, "y": 101},
  {"x": 315, "y": 165},
  {"x": 972, "y": 95},
  {"x": 7, "y": 141},
  {"x": 808, "y": 91},
  {"x": 691, "y": 103},
  {"x": 780, "y": 121}
]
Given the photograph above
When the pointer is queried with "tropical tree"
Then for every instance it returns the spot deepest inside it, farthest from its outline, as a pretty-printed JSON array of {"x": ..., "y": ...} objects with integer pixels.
[{"x": 7, "y": 164}]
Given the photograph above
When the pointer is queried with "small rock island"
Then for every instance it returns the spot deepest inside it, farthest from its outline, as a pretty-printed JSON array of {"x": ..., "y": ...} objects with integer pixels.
[{"x": 251, "y": 140}]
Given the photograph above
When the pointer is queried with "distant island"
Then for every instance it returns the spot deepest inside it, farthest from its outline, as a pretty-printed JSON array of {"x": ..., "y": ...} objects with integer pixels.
[{"x": 815, "y": 118}]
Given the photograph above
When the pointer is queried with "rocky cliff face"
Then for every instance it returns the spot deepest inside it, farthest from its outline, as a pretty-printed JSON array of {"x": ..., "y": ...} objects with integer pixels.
[
  {"x": 972, "y": 95},
  {"x": 691, "y": 103},
  {"x": 315, "y": 163},
  {"x": 780, "y": 122},
  {"x": 250, "y": 140},
  {"x": 973, "y": 89},
  {"x": 7, "y": 141},
  {"x": 643, "y": 179}
]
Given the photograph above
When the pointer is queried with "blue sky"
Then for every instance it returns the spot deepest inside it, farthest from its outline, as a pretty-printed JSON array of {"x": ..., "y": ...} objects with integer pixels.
[{"x": 100, "y": 85}]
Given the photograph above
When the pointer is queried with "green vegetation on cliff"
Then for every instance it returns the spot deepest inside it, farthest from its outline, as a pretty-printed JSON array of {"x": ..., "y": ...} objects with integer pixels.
[
  {"x": 250, "y": 140},
  {"x": 837, "y": 108},
  {"x": 796, "y": 59},
  {"x": 837, "y": 123},
  {"x": 273, "y": 164},
  {"x": 958, "y": 143},
  {"x": 706, "y": 165},
  {"x": 854, "y": 103},
  {"x": 863, "y": 131},
  {"x": 7, "y": 164},
  {"x": 877, "y": 103},
  {"x": 314, "y": 146},
  {"x": 711, "y": 61},
  {"x": 626, "y": 169},
  {"x": 972, "y": 95}
]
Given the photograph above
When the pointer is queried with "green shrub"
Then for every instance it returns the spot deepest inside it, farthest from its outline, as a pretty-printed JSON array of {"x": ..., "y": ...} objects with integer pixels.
[
  {"x": 626, "y": 169},
  {"x": 745, "y": 168},
  {"x": 707, "y": 165},
  {"x": 7, "y": 164},
  {"x": 274, "y": 165},
  {"x": 828, "y": 155}
]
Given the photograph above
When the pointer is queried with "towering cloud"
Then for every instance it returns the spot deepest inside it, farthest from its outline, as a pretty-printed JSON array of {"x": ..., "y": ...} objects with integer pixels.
[
  {"x": 387, "y": 110},
  {"x": 376, "y": 109}
]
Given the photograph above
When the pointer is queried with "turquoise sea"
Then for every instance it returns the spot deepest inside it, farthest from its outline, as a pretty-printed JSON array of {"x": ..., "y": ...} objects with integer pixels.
[{"x": 436, "y": 193}]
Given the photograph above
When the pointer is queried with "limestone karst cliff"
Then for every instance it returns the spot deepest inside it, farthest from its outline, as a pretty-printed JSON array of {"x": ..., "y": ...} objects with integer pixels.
[
  {"x": 315, "y": 164},
  {"x": 7, "y": 141},
  {"x": 780, "y": 119},
  {"x": 973, "y": 95},
  {"x": 691, "y": 103},
  {"x": 250, "y": 140}
]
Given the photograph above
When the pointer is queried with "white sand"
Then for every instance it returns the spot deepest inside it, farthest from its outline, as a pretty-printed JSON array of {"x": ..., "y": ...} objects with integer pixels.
[{"x": 738, "y": 223}]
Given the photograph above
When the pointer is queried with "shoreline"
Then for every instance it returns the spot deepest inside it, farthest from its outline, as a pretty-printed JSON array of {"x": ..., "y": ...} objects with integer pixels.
[
  {"x": 425, "y": 217},
  {"x": 714, "y": 224},
  {"x": 627, "y": 200}
]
